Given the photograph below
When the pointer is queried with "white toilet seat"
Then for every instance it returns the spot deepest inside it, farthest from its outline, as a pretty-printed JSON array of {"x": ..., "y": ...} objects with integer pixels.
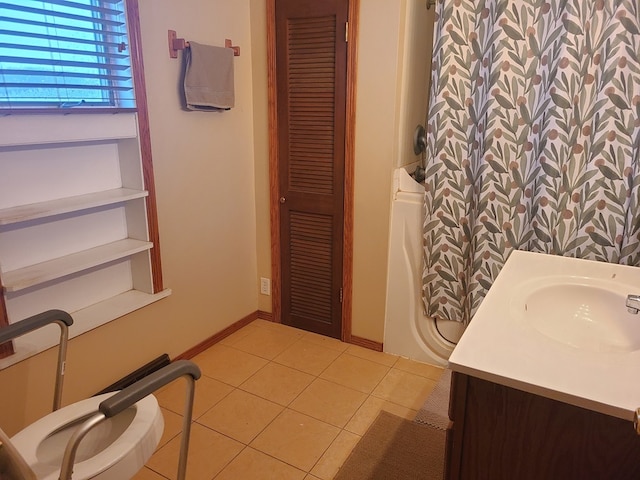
[{"x": 136, "y": 432}]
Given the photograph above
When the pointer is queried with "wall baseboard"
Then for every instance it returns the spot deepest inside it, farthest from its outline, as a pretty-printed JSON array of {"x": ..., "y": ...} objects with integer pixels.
[
  {"x": 209, "y": 342},
  {"x": 268, "y": 316},
  {"x": 363, "y": 342}
]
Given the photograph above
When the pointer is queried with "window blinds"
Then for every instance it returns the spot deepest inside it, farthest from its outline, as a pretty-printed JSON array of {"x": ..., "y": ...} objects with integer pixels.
[{"x": 64, "y": 54}]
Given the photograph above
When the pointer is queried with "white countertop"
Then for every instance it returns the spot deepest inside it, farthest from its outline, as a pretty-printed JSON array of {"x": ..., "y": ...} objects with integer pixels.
[{"x": 506, "y": 345}]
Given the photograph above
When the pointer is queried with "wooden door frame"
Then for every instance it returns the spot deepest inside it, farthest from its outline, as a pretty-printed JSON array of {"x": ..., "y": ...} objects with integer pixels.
[{"x": 349, "y": 167}]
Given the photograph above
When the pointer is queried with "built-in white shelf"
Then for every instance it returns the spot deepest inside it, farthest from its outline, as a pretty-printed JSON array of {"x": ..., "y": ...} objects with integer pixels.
[
  {"x": 26, "y": 277},
  {"x": 69, "y": 183},
  {"x": 23, "y": 213}
]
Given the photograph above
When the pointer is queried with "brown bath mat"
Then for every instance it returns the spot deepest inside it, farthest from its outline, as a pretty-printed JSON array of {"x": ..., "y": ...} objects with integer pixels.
[
  {"x": 435, "y": 411},
  {"x": 395, "y": 448}
]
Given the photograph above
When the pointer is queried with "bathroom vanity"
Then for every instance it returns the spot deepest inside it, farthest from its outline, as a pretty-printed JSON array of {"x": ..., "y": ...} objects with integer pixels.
[
  {"x": 501, "y": 433},
  {"x": 546, "y": 378}
]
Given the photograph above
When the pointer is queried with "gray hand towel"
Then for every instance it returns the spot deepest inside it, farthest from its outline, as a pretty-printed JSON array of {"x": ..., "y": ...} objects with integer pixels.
[{"x": 208, "y": 79}]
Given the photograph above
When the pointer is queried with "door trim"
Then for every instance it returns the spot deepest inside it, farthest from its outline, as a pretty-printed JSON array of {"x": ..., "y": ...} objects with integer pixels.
[{"x": 349, "y": 168}]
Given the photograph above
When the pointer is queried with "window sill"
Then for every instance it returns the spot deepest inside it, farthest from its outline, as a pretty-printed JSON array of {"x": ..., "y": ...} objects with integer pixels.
[{"x": 83, "y": 320}]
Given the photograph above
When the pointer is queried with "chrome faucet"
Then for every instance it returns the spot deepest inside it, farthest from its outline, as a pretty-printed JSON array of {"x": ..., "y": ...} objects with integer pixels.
[{"x": 633, "y": 304}]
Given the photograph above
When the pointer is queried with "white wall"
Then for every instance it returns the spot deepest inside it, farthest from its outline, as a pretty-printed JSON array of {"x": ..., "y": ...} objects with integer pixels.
[
  {"x": 261, "y": 143},
  {"x": 204, "y": 175},
  {"x": 416, "y": 72},
  {"x": 391, "y": 90}
]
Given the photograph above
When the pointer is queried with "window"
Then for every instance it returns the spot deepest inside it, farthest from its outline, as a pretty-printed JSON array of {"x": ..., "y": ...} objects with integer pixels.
[
  {"x": 78, "y": 224},
  {"x": 64, "y": 54}
]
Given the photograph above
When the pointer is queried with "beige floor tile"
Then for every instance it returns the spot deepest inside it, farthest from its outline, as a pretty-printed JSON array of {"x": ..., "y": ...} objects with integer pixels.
[
  {"x": 329, "y": 402},
  {"x": 324, "y": 341},
  {"x": 209, "y": 453},
  {"x": 336, "y": 454},
  {"x": 228, "y": 364},
  {"x": 147, "y": 474},
  {"x": 370, "y": 409},
  {"x": 267, "y": 342},
  {"x": 261, "y": 322},
  {"x": 355, "y": 372},
  {"x": 277, "y": 383},
  {"x": 296, "y": 439},
  {"x": 237, "y": 335},
  {"x": 404, "y": 388},
  {"x": 172, "y": 426},
  {"x": 368, "y": 354},
  {"x": 208, "y": 392},
  {"x": 279, "y": 327},
  {"x": 303, "y": 441},
  {"x": 252, "y": 464},
  {"x": 307, "y": 357},
  {"x": 418, "y": 368},
  {"x": 241, "y": 415}
]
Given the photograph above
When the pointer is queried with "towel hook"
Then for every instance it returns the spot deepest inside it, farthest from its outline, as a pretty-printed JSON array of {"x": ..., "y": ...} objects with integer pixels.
[{"x": 176, "y": 44}]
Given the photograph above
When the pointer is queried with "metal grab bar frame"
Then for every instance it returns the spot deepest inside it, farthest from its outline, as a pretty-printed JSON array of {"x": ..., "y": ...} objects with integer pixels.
[
  {"x": 35, "y": 322},
  {"x": 120, "y": 400}
]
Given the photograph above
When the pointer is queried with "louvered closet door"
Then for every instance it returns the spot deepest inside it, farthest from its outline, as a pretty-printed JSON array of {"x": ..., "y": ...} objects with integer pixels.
[{"x": 311, "y": 84}]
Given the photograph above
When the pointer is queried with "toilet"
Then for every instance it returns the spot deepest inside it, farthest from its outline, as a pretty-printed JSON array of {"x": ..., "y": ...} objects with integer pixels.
[
  {"x": 113, "y": 450},
  {"x": 108, "y": 437}
]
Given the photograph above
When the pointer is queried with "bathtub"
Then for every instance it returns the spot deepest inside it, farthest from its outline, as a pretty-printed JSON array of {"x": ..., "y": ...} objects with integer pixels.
[{"x": 408, "y": 331}]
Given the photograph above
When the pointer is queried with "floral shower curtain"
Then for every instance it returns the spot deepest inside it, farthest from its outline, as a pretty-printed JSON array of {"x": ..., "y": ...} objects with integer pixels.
[{"x": 533, "y": 140}]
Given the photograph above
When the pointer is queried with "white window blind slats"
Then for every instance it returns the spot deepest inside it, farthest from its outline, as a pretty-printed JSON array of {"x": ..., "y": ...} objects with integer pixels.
[
  {"x": 17, "y": 73},
  {"x": 61, "y": 63},
  {"x": 78, "y": 86},
  {"x": 22, "y": 35},
  {"x": 64, "y": 53},
  {"x": 88, "y": 7},
  {"x": 23, "y": 50},
  {"x": 72, "y": 28},
  {"x": 61, "y": 12}
]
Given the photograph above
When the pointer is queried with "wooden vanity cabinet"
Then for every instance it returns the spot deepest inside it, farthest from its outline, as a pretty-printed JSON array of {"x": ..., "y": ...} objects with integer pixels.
[{"x": 499, "y": 432}]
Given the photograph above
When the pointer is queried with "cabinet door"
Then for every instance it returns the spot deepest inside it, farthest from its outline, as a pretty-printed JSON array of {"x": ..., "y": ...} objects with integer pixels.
[
  {"x": 457, "y": 405},
  {"x": 510, "y": 434}
]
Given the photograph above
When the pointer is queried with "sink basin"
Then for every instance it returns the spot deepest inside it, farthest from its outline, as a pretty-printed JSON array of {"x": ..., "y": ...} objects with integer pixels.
[
  {"x": 558, "y": 327},
  {"x": 581, "y": 312}
]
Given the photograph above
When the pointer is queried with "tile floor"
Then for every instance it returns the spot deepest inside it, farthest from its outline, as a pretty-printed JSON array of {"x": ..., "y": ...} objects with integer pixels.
[{"x": 279, "y": 403}]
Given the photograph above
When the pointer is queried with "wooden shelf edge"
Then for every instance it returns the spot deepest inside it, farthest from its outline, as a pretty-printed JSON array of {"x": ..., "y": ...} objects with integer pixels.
[
  {"x": 85, "y": 320},
  {"x": 16, "y": 280},
  {"x": 60, "y": 206}
]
